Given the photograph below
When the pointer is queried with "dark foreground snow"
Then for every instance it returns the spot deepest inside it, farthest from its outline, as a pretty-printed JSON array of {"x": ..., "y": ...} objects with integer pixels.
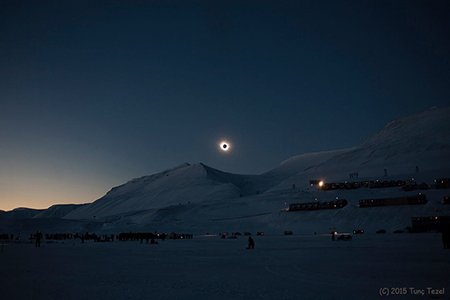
[{"x": 280, "y": 267}]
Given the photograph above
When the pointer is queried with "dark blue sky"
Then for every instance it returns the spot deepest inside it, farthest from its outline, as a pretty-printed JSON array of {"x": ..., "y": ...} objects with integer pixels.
[{"x": 93, "y": 93}]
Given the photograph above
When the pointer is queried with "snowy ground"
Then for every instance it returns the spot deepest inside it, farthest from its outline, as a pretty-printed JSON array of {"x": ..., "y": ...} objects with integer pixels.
[{"x": 281, "y": 267}]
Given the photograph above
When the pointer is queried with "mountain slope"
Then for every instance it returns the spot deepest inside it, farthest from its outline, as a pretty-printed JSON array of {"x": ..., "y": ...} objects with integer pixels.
[
  {"x": 417, "y": 145},
  {"x": 199, "y": 198},
  {"x": 182, "y": 185},
  {"x": 420, "y": 139},
  {"x": 58, "y": 210},
  {"x": 21, "y": 213}
]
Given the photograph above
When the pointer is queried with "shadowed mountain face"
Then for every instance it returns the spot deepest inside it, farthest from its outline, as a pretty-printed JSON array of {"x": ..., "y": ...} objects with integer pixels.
[
  {"x": 21, "y": 213},
  {"x": 198, "y": 196},
  {"x": 247, "y": 184},
  {"x": 58, "y": 210}
]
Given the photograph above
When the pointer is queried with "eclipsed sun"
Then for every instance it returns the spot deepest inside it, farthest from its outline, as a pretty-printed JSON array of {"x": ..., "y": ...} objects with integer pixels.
[{"x": 224, "y": 146}]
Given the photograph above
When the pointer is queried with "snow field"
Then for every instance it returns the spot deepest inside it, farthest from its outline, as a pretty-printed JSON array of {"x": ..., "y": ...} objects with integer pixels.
[{"x": 280, "y": 267}]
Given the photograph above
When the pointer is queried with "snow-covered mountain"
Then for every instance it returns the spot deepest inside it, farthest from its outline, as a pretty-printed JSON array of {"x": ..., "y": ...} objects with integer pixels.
[
  {"x": 181, "y": 185},
  {"x": 415, "y": 146},
  {"x": 200, "y": 198},
  {"x": 419, "y": 140},
  {"x": 58, "y": 210},
  {"x": 191, "y": 184},
  {"x": 21, "y": 213}
]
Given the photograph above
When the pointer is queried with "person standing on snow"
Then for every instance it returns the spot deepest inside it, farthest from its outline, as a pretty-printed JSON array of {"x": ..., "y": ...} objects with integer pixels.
[
  {"x": 251, "y": 243},
  {"x": 38, "y": 239}
]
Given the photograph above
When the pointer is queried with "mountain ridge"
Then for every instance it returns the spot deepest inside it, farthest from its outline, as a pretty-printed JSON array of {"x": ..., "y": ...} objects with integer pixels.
[{"x": 199, "y": 196}]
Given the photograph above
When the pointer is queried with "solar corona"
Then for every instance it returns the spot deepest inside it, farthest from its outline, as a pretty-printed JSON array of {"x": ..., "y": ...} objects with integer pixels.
[{"x": 224, "y": 146}]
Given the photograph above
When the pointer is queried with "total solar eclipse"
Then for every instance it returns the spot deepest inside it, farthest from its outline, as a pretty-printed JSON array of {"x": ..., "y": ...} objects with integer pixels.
[{"x": 224, "y": 146}]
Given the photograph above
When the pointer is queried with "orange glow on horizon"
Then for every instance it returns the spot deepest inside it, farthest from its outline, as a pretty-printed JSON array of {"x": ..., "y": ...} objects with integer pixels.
[{"x": 41, "y": 193}]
